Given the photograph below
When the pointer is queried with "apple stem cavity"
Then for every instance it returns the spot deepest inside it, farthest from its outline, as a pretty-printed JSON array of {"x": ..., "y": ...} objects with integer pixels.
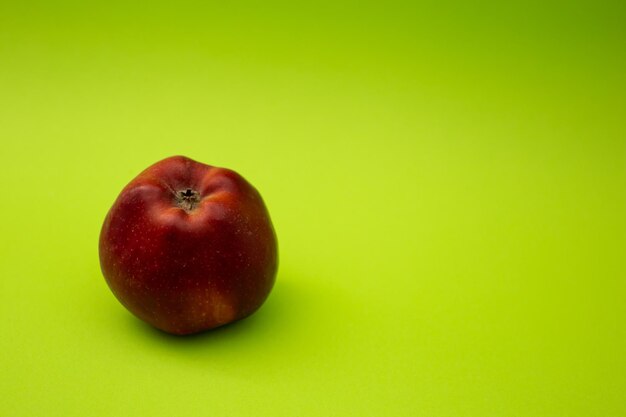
[{"x": 187, "y": 199}]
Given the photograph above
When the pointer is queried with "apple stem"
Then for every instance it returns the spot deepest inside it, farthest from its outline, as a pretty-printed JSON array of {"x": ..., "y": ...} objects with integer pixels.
[{"x": 187, "y": 199}]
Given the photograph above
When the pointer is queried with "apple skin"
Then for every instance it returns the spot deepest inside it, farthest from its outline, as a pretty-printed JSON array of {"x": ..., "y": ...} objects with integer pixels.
[{"x": 188, "y": 247}]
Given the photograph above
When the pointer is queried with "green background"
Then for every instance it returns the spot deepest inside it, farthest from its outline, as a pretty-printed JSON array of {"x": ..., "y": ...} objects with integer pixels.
[{"x": 447, "y": 181}]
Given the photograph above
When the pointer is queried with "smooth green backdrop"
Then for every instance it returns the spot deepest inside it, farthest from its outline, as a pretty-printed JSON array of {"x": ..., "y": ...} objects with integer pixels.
[{"x": 447, "y": 181}]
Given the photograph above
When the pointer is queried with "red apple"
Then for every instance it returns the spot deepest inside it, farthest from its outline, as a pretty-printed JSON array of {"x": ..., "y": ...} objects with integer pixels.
[{"x": 188, "y": 247}]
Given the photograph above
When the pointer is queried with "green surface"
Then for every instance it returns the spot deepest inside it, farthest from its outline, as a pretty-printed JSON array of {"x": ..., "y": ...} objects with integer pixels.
[{"x": 447, "y": 182}]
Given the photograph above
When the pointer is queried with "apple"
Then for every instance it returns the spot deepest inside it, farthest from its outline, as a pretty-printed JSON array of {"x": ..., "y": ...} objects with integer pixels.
[{"x": 188, "y": 247}]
